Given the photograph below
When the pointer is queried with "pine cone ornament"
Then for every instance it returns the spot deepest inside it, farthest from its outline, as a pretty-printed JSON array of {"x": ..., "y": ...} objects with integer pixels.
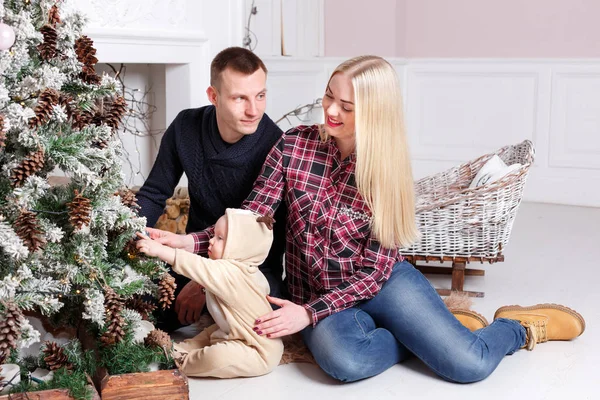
[
  {"x": 86, "y": 54},
  {"x": 26, "y": 227},
  {"x": 107, "y": 112},
  {"x": 2, "y": 133},
  {"x": 47, "y": 100},
  {"x": 33, "y": 163},
  {"x": 79, "y": 118},
  {"x": 100, "y": 144},
  {"x": 88, "y": 75},
  {"x": 10, "y": 329},
  {"x": 166, "y": 291},
  {"x": 80, "y": 210},
  {"x": 114, "y": 305},
  {"x": 100, "y": 113},
  {"x": 158, "y": 338},
  {"x": 55, "y": 357},
  {"x": 132, "y": 250},
  {"x": 82, "y": 118},
  {"x": 116, "y": 113},
  {"x": 128, "y": 198},
  {"x": 53, "y": 16},
  {"x": 47, "y": 48},
  {"x": 144, "y": 308},
  {"x": 84, "y": 48},
  {"x": 66, "y": 102}
]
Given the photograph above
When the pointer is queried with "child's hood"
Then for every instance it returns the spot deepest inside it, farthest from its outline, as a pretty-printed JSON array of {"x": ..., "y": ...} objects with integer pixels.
[{"x": 248, "y": 241}]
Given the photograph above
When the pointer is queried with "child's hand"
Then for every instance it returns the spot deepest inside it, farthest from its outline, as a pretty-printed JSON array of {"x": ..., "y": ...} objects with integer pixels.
[
  {"x": 154, "y": 249},
  {"x": 148, "y": 246}
]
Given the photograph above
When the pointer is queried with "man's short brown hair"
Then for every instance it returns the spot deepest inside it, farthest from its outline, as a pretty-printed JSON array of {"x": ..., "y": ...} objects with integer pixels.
[{"x": 238, "y": 59}]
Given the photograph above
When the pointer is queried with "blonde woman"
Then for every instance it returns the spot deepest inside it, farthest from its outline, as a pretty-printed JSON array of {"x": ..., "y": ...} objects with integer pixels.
[{"x": 349, "y": 191}]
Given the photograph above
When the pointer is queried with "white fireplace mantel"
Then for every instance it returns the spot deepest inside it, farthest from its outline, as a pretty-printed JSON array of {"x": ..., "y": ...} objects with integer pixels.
[
  {"x": 186, "y": 62},
  {"x": 181, "y": 34}
]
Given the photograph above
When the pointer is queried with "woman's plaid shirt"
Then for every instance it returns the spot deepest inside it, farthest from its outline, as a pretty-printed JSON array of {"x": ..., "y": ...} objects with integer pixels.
[{"x": 332, "y": 262}]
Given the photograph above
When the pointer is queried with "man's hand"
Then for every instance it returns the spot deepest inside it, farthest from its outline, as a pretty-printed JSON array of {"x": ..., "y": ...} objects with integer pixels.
[
  {"x": 289, "y": 319},
  {"x": 185, "y": 242},
  {"x": 189, "y": 303}
]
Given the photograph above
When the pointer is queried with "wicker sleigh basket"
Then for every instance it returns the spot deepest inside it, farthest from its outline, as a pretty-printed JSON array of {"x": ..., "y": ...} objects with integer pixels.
[{"x": 462, "y": 224}]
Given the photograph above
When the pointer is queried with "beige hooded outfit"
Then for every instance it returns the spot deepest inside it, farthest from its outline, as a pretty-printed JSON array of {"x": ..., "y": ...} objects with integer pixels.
[{"x": 235, "y": 297}]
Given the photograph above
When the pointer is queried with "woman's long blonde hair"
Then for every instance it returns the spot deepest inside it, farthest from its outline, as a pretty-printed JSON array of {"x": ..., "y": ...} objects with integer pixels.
[{"x": 383, "y": 171}]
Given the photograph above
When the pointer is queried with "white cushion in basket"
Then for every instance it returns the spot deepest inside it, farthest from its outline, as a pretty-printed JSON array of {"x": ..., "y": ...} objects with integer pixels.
[{"x": 491, "y": 171}]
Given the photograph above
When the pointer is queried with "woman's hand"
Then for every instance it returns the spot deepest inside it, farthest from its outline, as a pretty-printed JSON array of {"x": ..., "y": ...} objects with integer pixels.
[
  {"x": 171, "y": 239},
  {"x": 287, "y": 320}
]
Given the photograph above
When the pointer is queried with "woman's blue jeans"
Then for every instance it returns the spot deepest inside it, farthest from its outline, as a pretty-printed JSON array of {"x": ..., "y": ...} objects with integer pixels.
[{"x": 408, "y": 317}]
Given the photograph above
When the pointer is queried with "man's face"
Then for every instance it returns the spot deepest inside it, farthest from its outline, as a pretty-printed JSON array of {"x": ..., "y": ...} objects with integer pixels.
[{"x": 240, "y": 101}]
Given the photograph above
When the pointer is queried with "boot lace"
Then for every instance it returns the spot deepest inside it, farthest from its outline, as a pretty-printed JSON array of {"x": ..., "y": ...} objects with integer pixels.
[{"x": 536, "y": 333}]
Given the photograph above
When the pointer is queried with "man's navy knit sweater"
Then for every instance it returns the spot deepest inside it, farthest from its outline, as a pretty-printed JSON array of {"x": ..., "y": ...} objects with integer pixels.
[{"x": 220, "y": 175}]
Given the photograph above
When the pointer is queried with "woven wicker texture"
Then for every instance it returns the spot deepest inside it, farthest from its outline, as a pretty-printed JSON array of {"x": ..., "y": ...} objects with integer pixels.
[{"x": 456, "y": 221}]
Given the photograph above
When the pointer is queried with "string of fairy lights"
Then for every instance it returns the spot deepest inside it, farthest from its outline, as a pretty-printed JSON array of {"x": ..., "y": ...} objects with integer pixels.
[{"x": 137, "y": 121}]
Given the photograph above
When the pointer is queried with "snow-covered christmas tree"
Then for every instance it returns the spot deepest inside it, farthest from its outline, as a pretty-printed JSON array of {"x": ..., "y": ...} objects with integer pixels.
[{"x": 66, "y": 251}]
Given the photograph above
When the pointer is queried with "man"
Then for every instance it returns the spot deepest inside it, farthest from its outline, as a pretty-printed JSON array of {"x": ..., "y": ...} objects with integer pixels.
[{"x": 221, "y": 148}]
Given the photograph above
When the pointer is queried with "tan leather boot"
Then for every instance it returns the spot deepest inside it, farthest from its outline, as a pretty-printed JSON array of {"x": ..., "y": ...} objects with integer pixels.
[
  {"x": 545, "y": 322},
  {"x": 470, "y": 319}
]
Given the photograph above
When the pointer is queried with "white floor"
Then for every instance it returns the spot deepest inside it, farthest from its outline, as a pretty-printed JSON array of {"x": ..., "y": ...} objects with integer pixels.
[{"x": 553, "y": 256}]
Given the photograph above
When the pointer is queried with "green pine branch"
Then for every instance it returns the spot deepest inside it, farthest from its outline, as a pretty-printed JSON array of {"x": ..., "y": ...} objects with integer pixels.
[
  {"x": 75, "y": 381},
  {"x": 125, "y": 357}
]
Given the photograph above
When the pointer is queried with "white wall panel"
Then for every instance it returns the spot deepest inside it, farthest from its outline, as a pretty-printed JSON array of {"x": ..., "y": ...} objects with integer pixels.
[
  {"x": 457, "y": 113},
  {"x": 294, "y": 83},
  {"x": 286, "y": 27},
  {"x": 575, "y": 130}
]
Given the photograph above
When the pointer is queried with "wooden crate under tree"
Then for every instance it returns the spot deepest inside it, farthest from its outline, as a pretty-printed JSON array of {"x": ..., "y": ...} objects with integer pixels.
[
  {"x": 163, "y": 384},
  {"x": 169, "y": 384},
  {"x": 50, "y": 394},
  {"x": 156, "y": 385}
]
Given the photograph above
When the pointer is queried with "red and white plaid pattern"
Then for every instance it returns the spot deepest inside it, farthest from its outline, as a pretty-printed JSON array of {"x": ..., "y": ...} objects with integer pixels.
[{"x": 331, "y": 260}]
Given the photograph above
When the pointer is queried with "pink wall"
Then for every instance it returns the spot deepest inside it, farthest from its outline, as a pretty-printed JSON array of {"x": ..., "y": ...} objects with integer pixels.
[
  {"x": 355, "y": 27},
  {"x": 463, "y": 28}
]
